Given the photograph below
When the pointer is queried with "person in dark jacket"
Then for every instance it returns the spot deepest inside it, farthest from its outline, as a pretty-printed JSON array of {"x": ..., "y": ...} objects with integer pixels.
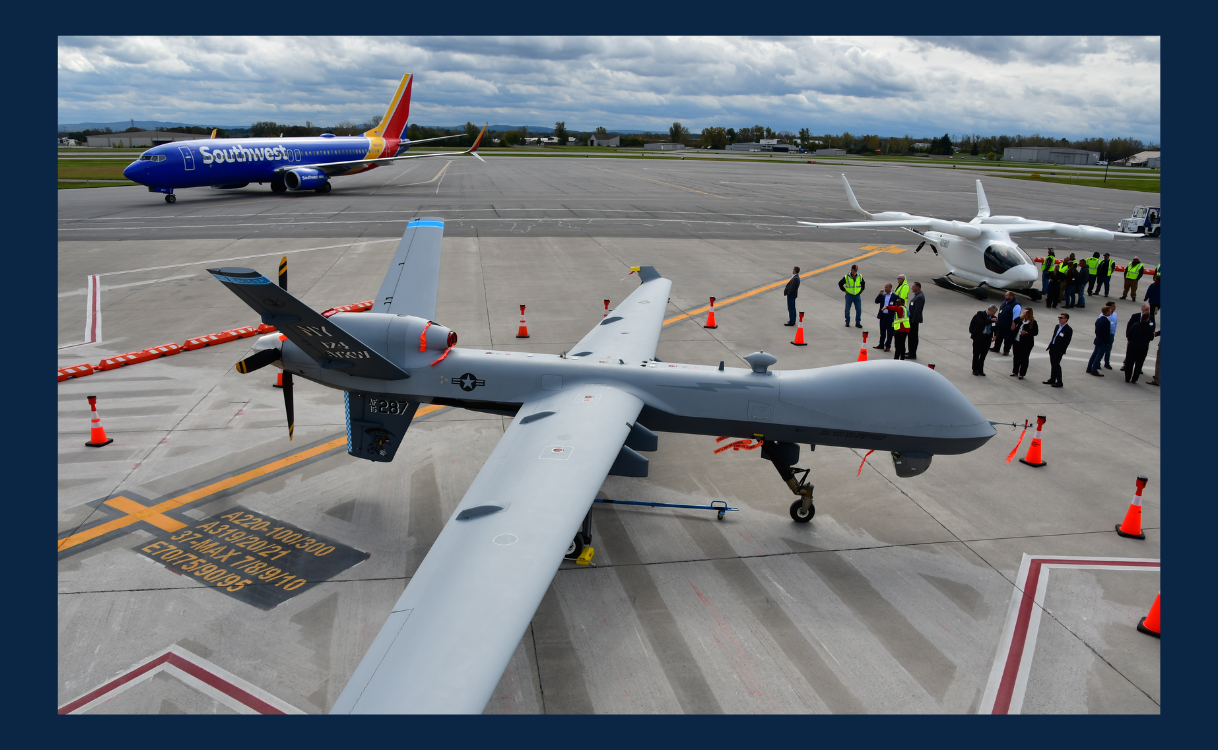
[
  {"x": 1082, "y": 274},
  {"x": 981, "y": 328},
  {"x": 1102, "y": 341},
  {"x": 1056, "y": 278},
  {"x": 1071, "y": 283},
  {"x": 1152, "y": 297},
  {"x": 916, "y": 303},
  {"x": 1057, "y": 349},
  {"x": 1139, "y": 332},
  {"x": 1103, "y": 275},
  {"x": 1004, "y": 333},
  {"x": 1026, "y": 331},
  {"x": 885, "y": 299},
  {"x": 791, "y": 292}
]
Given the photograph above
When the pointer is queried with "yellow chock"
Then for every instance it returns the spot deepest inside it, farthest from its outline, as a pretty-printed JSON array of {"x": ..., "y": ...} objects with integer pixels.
[{"x": 585, "y": 557}]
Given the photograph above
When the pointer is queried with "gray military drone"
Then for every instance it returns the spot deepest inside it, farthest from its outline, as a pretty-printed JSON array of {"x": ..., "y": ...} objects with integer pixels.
[{"x": 578, "y": 417}]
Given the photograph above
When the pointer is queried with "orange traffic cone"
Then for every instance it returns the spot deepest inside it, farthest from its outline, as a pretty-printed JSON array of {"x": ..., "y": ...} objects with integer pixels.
[
  {"x": 863, "y": 351},
  {"x": 279, "y": 379},
  {"x": 606, "y": 309},
  {"x": 1150, "y": 623},
  {"x": 1033, "y": 457},
  {"x": 710, "y": 319},
  {"x": 799, "y": 332},
  {"x": 523, "y": 332},
  {"x": 97, "y": 433},
  {"x": 1131, "y": 528}
]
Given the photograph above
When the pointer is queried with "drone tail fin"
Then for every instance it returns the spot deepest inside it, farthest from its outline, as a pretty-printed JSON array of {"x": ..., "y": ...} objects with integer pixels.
[{"x": 983, "y": 206}]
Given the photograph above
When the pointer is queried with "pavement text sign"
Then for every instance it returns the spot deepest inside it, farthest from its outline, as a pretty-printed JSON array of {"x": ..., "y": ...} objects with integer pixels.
[{"x": 252, "y": 557}]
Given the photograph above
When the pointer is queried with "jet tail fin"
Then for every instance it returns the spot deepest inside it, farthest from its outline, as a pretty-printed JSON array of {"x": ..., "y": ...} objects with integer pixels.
[
  {"x": 394, "y": 121},
  {"x": 983, "y": 206},
  {"x": 853, "y": 201},
  {"x": 214, "y": 131},
  {"x": 321, "y": 339}
]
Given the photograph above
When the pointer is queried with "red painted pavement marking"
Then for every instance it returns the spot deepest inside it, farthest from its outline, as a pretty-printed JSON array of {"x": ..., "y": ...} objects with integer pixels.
[
  {"x": 1030, "y": 592},
  {"x": 190, "y": 666}
]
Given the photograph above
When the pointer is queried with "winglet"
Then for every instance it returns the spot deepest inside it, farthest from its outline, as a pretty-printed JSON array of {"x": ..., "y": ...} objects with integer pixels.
[
  {"x": 214, "y": 131},
  {"x": 853, "y": 201},
  {"x": 472, "y": 150},
  {"x": 983, "y": 206}
]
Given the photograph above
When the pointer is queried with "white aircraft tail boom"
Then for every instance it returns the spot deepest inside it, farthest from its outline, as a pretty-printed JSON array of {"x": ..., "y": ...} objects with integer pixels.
[{"x": 854, "y": 201}]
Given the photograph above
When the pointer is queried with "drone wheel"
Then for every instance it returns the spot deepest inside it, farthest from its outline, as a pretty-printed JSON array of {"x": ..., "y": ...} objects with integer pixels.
[
  {"x": 799, "y": 515},
  {"x": 576, "y": 546}
]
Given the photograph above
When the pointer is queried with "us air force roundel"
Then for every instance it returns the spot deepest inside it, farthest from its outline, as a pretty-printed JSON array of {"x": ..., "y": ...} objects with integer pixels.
[{"x": 468, "y": 381}]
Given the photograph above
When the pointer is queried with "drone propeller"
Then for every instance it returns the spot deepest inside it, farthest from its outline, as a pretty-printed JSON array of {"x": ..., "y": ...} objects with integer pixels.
[{"x": 257, "y": 360}]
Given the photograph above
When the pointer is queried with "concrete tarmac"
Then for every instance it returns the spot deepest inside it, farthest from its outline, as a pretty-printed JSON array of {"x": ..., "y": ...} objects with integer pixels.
[{"x": 895, "y": 598}]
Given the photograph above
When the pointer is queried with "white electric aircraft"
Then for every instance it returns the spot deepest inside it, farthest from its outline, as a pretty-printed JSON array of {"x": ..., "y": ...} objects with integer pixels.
[{"x": 980, "y": 251}]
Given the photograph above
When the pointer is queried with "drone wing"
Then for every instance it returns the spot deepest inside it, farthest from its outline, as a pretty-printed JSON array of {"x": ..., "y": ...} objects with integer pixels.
[
  {"x": 413, "y": 280},
  {"x": 960, "y": 229},
  {"x": 632, "y": 330},
  {"x": 454, "y": 629}
]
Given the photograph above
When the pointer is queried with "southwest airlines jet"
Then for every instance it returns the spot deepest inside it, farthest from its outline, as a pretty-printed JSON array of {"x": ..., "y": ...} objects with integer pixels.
[{"x": 288, "y": 164}]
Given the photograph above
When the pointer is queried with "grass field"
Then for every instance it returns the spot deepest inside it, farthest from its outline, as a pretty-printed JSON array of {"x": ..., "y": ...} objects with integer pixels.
[
  {"x": 1142, "y": 186},
  {"x": 91, "y": 169},
  {"x": 95, "y": 184}
]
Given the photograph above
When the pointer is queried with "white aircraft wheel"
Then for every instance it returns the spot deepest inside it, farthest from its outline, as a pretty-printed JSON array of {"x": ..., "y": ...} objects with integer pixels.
[{"x": 799, "y": 515}]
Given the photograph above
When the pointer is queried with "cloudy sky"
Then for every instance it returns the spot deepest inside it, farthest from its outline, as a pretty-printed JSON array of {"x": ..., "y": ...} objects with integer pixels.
[{"x": 1059, "y": 86}]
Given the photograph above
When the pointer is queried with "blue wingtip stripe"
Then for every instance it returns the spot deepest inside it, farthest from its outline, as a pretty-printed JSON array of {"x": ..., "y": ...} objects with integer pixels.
[
  {"x": 240, "y": 280},
  {"x": 437, "y": 224}
]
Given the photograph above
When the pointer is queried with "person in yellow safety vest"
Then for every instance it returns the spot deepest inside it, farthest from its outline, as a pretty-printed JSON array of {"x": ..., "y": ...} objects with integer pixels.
[
  {"x": 902, "y": 289},
  {"x": 900, "y": 327},
  {"x": 1046, "y": 270},
  {"x": 1133, "y": 273},
  {"x": 1093, "y": 267},
  {"x": 852, "y": 284}
]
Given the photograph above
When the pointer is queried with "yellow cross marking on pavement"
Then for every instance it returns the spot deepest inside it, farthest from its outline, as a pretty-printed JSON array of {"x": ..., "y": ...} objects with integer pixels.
[{"x": 137, "y": 512}]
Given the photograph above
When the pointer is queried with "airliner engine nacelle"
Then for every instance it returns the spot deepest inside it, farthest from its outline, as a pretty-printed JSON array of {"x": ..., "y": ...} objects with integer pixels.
[{"x": 304, "y": 178}]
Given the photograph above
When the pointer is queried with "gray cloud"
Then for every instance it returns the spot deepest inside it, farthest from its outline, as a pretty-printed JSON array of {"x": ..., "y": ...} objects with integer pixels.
[{"x": 925, "y": 86}]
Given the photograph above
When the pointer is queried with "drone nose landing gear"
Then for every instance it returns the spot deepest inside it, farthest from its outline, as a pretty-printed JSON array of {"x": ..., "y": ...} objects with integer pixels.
[{"x": 802, "y": 510}]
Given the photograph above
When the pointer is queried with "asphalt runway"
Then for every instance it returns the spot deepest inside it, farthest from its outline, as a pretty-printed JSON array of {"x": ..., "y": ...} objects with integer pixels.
[{"x": 902, "y": 595}]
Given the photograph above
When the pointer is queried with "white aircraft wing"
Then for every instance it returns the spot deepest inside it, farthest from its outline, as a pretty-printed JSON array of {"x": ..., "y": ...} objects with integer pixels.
[
  {"x": 413, "y": 280},
  {"x": 1078, "y": 232},
  {"x": 957, "y": 228},
  {"x": 454, "y": 629},
  {"x": 632, "y": 330}
]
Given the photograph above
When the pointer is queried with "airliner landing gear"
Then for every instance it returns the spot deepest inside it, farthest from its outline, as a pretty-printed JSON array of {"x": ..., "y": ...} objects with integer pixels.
[
  {"x": 802, "y": 509},
  {"x": 323, "y": 189},
  {"x": 171, "y": 198}
]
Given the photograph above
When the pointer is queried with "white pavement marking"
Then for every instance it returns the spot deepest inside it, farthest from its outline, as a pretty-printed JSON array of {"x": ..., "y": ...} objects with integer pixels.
[
  {"x": 214, "y": 682},
  {"x": 1008, "y": 681},
  {"x": 93, "y": 318},
  {"x": 259, "y": 255},
  {"x": 79, "y": 292}
]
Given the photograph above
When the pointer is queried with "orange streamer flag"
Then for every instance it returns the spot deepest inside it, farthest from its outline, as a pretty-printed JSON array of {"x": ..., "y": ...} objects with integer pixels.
[
  {"x": 1016, "y": 448},
  {"x": 740, "y": 445},
  {"x": 860, "y": 471}
]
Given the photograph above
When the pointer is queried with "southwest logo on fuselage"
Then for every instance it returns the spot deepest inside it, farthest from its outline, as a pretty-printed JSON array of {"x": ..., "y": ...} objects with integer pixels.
[{"x": 289, "y": 165}]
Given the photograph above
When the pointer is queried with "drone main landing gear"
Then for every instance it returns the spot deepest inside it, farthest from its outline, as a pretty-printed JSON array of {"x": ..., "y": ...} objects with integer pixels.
[
  {"x": 802, "y": 509},
  {"x": 978, "y": 291},
  {"x": 580, "y": 550}
]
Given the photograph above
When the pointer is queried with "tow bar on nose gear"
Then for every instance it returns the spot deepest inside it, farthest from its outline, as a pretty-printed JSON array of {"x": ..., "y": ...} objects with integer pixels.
[
  {"x": 716, "y": 505},
  {"x": 802, "y": 509}
]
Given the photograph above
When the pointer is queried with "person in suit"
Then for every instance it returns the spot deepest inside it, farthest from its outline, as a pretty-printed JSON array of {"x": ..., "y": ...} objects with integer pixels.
[
  {"x": 885, "y": 299},
  {"x": 1026, "y": 331},
  {"x": 1104, "y": 274},
  {"x": 1057, "y": 349},
  {"x": 791, "y": 292},
  {"x": 916, "y": 303},
  {"x": 1004, "y": 333},
  {"x": 981, "y": 328},
  {"x": 1103, "y": 340},
  {"x": 1139, "y": 332}
]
